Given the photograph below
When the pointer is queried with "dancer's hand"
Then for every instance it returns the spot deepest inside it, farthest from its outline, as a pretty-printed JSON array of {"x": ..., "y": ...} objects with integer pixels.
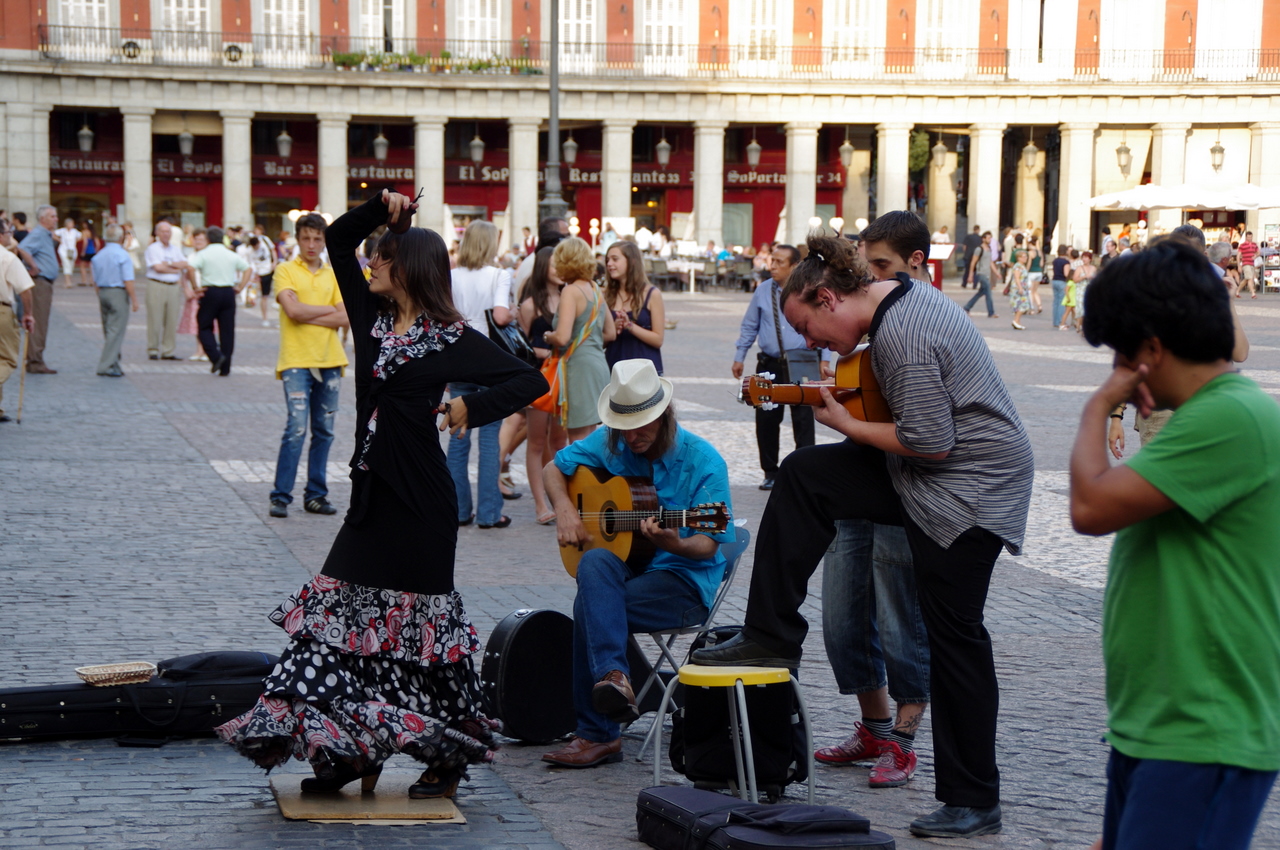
[
  {"x": 454, "y": 416},
  {"x": 400, "y": 210}
]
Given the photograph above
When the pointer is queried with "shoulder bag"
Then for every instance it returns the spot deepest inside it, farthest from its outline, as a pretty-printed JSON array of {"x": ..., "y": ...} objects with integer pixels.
[{"x": 556, "y": 402}]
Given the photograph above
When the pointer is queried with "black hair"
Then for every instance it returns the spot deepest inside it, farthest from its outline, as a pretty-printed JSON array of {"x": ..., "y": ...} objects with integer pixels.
[
  {"x": 833, "y": 263},
  {"x": 1190, "y": 233},
  {"x": 902, "y": 231},
  {"x": 792, "y": 251},
  {"x": 535, "y": 285},
  {"x": 662, "y": 442},
  {"x": 311, "y": 221},
  {"x": 20, "y": 217},
  {"x": 420, "y": 266},
  {"x": 215, "y": 234},
  {"x": 1168, "y": 292}
]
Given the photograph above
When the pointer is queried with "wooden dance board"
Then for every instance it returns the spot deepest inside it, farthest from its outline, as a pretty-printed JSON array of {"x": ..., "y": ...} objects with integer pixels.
[{"x": 389, "y": 805}]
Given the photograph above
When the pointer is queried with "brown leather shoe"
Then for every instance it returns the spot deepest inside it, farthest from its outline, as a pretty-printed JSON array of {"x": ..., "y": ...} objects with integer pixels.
[
  {"x": 612, "y": 696},
  {"x": 583, "y": 753},
  {"x": 40, "y": 369}
]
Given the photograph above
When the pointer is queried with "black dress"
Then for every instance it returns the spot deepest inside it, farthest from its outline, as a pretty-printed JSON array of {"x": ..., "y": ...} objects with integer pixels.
[{"x": 381, "y": 654}]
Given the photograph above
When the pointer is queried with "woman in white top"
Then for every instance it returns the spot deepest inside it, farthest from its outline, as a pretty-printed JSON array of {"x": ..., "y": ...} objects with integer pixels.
[
  {"x": 263, "y": 262},
  {"x": 479, "y": 285}
]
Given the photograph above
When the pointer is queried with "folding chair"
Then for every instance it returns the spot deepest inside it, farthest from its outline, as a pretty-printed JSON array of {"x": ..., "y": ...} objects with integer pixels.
[
  {"x": 665, "y": 638},
  {"x": 661, "y": 277}
]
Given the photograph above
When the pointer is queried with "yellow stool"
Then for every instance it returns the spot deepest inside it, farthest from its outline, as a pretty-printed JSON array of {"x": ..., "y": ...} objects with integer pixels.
[{"x": 737, "y": 678}]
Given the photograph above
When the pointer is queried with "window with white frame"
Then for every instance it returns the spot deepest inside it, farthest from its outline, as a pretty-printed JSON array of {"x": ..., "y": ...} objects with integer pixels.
[
  {"x": 190, "y": 16},
  {"x": 285, "y": 18},
  {"x": 83, "y": 13},
  {"x": 663, "y": 30},
  {"x": 759, "y": 30},
  {"x": 851, "y": 29},
  {"x": 942, "y": 28},
  {"x": 577, "y": 34},
  {"x": 479, "y": 20},
  {"x": 381, "y": 21}
]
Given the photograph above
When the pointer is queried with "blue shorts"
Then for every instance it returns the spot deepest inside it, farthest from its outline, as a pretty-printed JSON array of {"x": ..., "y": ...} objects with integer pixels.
[{"x": 1178, "y": 805}]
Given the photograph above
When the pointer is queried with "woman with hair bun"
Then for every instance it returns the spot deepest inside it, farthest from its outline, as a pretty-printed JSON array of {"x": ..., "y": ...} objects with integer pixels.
[
  {"x": 381, "y": 654},
  {"x": 583, "y": 326},
  {"x": 954, "y": 468}
]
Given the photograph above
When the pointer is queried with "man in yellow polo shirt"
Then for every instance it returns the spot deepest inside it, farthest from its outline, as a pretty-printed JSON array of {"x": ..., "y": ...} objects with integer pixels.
[{"x": 310, "y": 365}]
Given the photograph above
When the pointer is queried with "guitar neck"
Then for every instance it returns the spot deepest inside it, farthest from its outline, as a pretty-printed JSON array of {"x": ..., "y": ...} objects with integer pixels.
[
  {"x": 631, "y": 520},
  {"x": 807, "y": 394}
]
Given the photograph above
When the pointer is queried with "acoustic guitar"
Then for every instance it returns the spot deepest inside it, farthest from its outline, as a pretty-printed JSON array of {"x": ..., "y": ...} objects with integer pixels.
[
  {"x": 855, "y": 387},
  {"x": 612, "y": 508}
]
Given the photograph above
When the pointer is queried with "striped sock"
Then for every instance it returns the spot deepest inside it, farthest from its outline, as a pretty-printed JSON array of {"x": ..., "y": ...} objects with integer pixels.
[
  {"x": 905, "y": 740},
  {"x": 880, "y": 728}
]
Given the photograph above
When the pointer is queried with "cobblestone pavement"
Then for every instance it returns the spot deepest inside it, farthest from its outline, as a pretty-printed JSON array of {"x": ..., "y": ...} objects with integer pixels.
[{"x": 136, "y": 527}]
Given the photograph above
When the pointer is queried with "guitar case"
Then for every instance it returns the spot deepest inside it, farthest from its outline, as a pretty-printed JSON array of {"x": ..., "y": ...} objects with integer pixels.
[
  {"x": 526, "y": 676},
  {"x": 191, "y": 696}
]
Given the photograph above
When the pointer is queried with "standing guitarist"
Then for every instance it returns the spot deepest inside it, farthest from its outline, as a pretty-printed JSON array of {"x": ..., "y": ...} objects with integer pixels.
[
  {"x": 676, "y": 589},
  {"x": 954, "y": 469}
]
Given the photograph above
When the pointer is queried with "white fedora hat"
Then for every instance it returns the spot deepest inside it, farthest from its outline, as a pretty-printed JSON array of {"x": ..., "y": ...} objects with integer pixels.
[{"x": 635, "y": 396}]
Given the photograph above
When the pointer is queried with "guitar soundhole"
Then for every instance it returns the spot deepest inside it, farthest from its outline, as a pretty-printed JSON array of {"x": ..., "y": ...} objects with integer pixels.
[{"x": 608, "y": 521}]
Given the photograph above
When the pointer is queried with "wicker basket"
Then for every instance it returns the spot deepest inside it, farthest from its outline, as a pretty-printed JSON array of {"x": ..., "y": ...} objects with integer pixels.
[{"x": 126, "y": 673}]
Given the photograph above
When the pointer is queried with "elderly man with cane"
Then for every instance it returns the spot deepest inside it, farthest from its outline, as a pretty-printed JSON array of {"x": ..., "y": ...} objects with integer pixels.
[{"x": 14, "y": 282}]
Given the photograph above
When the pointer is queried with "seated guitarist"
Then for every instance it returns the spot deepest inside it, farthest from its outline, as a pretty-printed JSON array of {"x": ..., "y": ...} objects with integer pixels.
[
  {"x": 954, "y": 469},
  {"x": 641, "y": 439}
]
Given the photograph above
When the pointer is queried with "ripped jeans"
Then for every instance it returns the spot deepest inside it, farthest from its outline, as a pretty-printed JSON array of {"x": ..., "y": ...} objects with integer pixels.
[{"x": 316, "y": 399}]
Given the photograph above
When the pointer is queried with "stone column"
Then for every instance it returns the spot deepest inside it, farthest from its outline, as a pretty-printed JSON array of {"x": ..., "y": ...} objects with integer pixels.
[
  {"x": 893, "y": 157},
  {"x": 615, "y": 176},
  {"x": 986, "y": 143},
  {"x": 802, "y": 178},
  {"x": 428, "y": 172},
  {"x": 28, "y": 175},
  {"x": 1168, "y": 168},
  {"x": 333, "y": 162},
  {"x": 137, "y": 167},
  {"x": 1264, "y": 171},
  {"x": 522, "y": 183},
  {"x": 856, "y": 202},
  {"x": 708, "y": 181},
  {"x": 237, "y": 168},
  {"x": 1075, "y": 185},
  {"x": 940, "y": 183}
]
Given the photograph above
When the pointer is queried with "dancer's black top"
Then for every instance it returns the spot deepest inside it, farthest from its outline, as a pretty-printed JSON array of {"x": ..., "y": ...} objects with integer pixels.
[{"x": 401, "y": 529}]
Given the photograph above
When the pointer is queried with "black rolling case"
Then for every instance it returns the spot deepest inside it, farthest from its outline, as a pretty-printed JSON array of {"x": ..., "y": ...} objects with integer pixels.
[
  {"x": 679, "y": 818},
  {"x": 191, "y": 695}
]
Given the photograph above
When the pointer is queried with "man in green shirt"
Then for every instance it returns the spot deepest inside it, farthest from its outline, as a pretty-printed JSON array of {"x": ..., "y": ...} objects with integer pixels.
[
  {"x": 1191, "y": 617},
  {"x": 223, "y": 273}
]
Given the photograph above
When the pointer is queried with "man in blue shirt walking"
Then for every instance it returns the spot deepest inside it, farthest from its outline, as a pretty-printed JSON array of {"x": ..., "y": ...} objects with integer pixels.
[
  {"x": 113, "y": 277},
  {"x": 40, "y": 245},
  {"x": 759, "y": 326}
]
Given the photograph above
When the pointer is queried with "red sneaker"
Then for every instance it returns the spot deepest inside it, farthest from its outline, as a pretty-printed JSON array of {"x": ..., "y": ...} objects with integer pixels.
[
  {"x": 894, "y": 768},
  {"x": 861, "y": 746}
]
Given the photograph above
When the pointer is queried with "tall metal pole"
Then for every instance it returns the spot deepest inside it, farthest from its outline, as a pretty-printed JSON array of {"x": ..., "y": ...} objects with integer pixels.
[{"x": 552, "y": 203}]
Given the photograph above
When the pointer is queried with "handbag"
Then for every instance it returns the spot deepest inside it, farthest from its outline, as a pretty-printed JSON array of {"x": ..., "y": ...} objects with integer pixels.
[
  {"x": 556, "y": 401},
  {"x": 511, "y": 339},
  {"x": 799, "y": 365}
]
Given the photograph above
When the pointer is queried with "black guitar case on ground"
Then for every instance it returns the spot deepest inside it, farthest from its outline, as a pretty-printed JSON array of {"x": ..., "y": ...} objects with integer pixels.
[
  {"x": 527, "y": 675},
  {"x": 681, "y": 818},
  {"x": 191, "y": 696}
]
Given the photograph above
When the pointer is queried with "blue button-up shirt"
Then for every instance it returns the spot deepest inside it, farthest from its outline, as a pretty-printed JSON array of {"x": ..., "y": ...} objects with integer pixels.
[
  {"x": 757, "y": 324},
  {"x": 39, "y": 244},
  {"x": 690, "y": 473},
  {"x": 111, "y": 267}
]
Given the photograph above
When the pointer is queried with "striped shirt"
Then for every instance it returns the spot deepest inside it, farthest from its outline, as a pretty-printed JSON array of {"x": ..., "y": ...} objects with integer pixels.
[{"x": 946, "y": 395}]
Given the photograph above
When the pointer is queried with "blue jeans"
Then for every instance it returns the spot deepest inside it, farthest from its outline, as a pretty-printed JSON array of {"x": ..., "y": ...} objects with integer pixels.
[
  {"x": 306, "y": 398},
  {"x": 1175, "y": 805},
  {"x": 983, "y": 284},
  {"x": 871, "y": 622},
  {"x": 1059, "y": 294},
  {"x": 489, "y": 510},
  {"x": 612, "y": 603}
]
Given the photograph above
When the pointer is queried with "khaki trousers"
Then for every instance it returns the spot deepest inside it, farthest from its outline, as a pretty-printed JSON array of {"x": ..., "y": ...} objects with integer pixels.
[
  {"x": 8, "y": 346},
  {"x": 113, "y": 303},
  {"x": 41, "y": 304},
  {"x": 164, "y": 310}
]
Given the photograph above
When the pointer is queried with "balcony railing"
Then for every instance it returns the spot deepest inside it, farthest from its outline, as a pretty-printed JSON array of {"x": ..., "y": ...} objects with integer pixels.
[{"x": 679, "y": 61}]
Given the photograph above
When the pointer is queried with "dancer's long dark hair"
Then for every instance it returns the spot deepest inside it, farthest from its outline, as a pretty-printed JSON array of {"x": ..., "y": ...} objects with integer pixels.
[{"x": 419, "y": 264}]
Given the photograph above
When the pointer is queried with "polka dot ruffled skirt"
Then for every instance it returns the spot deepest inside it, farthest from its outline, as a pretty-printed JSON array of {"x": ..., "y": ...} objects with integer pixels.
[{"x": 370, "y": 673}]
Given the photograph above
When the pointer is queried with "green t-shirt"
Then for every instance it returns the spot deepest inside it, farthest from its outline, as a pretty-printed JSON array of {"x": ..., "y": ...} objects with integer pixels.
[
  {"x": 218, "y": 265},
  {"x": 1191, "y": 619}
]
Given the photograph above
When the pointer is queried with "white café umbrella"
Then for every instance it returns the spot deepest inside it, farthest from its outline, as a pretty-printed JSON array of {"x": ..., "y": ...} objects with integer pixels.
[{"x": 1189, "y": 196}]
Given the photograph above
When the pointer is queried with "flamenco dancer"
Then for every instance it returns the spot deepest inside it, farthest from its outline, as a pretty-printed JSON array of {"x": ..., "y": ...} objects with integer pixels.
[{"x": 381, "y": 655}]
